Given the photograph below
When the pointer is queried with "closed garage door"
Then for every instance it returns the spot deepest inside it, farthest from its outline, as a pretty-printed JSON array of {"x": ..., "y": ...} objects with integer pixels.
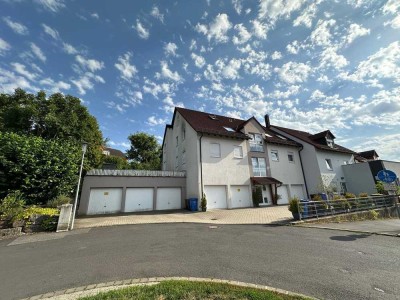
[
  {"x": 139, "y": 199},
  {"x": 105, "y": 201},
  {"x": 216, "y": 196},
  {"x": 297, "y": 191},
  {"x": 283, "y": 191},
  {"x": 168, "y": 198},
  {"x": 240, "y": 196}
]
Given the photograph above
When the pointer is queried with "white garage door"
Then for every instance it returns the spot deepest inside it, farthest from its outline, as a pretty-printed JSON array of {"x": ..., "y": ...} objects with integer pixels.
[
  {"x": 283, "y": 191},
  {"x": 297, "y": 191},
  {"x": 240, "y": 196},
  {"x": 168, "y": 198},
  {"x": 105, "y": 201},
  {"x": 216, "y": 196},
  {"x": 139, "y": 199}
]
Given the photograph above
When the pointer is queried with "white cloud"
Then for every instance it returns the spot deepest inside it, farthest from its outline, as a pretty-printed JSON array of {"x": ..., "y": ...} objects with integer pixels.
[
  {"x": 141, "y": 31},
  {"x": 153, "y": 121},
  {"x": 237, "y": 5},
  {"x": 170, "y": 49},
  {"x": 92, "y": 65},
  {"x": 395, "y": 23},
  {"x": 242, "y": 35},
  {"x": 292, "y": 90},
  {"x": 231, "y": 70},
  {"x": 330, "y": 58},
  {"x": 38, "y": 52},
  {"x": 260, "y": 29},
  {"x": 293, "y": 72},
  {"x": 307, "y": 16},
  {"x": 52, "y": 5},
  {"x": 223, "y": 69},
  {"x": 387, "y": 145},
  {"x": 321, "y": 36},
  {"x": 21, "y": 69},
  {"x": 125, "y": 67},
  {"x": 293, "y": 47},
  {"x": 86, "y": 82},
  {"x": 391, "y": 7},
  {"x": 354, "y": 32},
  {"x": 95, "y": 15},
  {"x": 199, "y": 60},
  {"x": 217, "y": 29},
  {"x": 50, "y": 31},
  {"x": 16, "y": 27},
  {"x": 275, "y": 9},
  {"x": 155, "y": 12},
  {"x": 4, "y": 46},
  {"x": 55, "y": 86},
  {"x": 168, "y": 74},
  {"x": 276, "y": 55},
  {"x": 9, "y": 81},
  {"x": 69, "y": 49}
]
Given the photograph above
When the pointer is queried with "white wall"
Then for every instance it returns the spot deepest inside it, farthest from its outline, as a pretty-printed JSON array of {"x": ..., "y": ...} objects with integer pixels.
[{"x": 359, "y": 178}]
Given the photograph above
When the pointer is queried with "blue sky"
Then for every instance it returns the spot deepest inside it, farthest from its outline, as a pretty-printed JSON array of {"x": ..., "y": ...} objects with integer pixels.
[{"x": 311, "y": 65}]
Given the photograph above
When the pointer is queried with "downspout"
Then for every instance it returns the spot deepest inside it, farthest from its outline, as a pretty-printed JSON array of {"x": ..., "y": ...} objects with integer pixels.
[
  {"x": 201, "y": 168},
  {"x": 302, "y": 170}
]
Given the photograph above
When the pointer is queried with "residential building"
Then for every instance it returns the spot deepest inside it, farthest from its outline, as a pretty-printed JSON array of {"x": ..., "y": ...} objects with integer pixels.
[
  {"x": 225, "y": 157},
  {"x": 322, "y": 159}
]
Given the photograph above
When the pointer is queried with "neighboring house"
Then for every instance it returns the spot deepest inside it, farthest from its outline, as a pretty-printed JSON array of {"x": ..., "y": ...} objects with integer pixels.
[
  {"x": 113, "y": 152},
  {"x": 226, "y": 157},
  {"x": 361, "y": 177},
  {"x": 322, "y": 159},
  {"x": 369, "y": 155},
  {"x": 110, "y": 153}
]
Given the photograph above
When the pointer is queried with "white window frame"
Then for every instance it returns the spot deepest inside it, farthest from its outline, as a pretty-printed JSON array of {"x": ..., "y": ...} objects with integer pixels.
[
  {"x": 240, "y": 148},
  {"x": 292, "y": 154},
  {"x": 277, "y": 155},
  {"x": 215, "y": 155},
  {"x": 328, "y": 163},
  {"x": 258, "y": 170},
  {"x": 329, "y": 142},
  {"x": 256, "y": 145}
]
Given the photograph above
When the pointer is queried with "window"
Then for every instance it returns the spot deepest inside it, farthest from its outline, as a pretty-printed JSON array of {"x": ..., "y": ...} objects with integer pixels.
[
  {"x": 215, "y": 150},
  {"x": 229, "y": 129},
  {"x": 345, "y": 162},
  {"x": 238, "y": 152},
  {"x": 274, "y": 155},
  {"x": 106, "y": 152},
  {"x": 256, "y": 142},
  {"x": 290, "y": 157},
  {"x": 183, "y": 157},
  {"x": 259, "y": 167},
  {"x": 329, "y": 142},
  {"x": 183, "y": 133},
  {"x": 328, "y": 163},
  {"x": 177, "y": 140}
]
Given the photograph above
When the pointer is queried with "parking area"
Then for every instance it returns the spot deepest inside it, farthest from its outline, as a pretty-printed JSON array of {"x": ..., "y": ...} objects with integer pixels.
[{"x": 261, "y": 215}]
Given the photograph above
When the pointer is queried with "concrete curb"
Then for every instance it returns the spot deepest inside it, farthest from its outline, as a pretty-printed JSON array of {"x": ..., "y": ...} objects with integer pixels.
[
  {"x": 93, "y": 289},
  {"x": 348, "y": 230}
]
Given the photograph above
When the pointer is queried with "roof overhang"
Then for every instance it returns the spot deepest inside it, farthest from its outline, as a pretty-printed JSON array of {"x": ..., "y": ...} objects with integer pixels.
[{"x": 265, "y": 180}]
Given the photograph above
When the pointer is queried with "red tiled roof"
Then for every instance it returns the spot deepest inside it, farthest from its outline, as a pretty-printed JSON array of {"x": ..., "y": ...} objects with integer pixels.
[
  {"x": 309, "y": 138},
  {"x": 202, "y": 122}
]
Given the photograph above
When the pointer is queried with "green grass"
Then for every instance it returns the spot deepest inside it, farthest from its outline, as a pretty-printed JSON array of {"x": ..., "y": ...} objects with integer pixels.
[{"x": 186, "y": 290}]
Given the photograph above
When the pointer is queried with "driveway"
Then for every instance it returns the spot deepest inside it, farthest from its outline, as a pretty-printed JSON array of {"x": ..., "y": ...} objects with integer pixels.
[
  {"x": 261, "y": 215},
  {"x": 388, "y": 226},
  {"x": 322, "y": 263}
]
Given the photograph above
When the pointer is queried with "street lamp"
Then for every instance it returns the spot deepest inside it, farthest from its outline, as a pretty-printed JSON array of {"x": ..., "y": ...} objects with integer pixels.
[{"x": 84, "y": 148}]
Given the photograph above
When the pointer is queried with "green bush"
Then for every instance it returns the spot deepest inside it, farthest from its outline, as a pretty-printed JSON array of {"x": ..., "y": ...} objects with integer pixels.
[
  {"x": 203, "y": 202},
  {"x": 317, "y": 197},
  {"x": 49, "y": 223},
  {"x": 257, "y": 196},
  {"x": 44, "y": 211},
  {"x": 363, "y": 195},
  {"x": 373, "y": 214},
  {"x": 58, "y": 201},
  {"x": 12, "y": 207},
  {"x": 349, "y": 195},
  {"x": 294, "y": 203}
]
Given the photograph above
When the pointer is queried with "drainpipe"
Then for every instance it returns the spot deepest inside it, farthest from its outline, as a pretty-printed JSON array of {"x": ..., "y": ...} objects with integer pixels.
[
  {"x": 201, "y": 168},
  {"x": 302, "y": 170}
]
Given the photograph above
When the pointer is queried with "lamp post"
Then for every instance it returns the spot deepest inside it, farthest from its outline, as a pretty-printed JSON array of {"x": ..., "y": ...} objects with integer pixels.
[{"x": 84, "y": 148}]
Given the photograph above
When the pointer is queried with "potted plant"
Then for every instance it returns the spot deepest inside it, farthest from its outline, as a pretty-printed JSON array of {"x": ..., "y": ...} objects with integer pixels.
[
  {"x": 203, "y": 203},
  {"x": 294, "y": 205}
]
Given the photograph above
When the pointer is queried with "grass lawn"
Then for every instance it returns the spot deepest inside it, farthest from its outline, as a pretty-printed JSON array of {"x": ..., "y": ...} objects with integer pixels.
[{"x": 187, "y": 290}]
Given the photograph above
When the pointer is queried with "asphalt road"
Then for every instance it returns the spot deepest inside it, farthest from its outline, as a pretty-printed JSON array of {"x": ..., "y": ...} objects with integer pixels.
[{"x": 325, "y": 264}]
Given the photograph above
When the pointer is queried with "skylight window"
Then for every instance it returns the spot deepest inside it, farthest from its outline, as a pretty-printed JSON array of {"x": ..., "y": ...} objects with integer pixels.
[
  {"x": 212, "y": 117},
  {"x": 229, "y": 129}
]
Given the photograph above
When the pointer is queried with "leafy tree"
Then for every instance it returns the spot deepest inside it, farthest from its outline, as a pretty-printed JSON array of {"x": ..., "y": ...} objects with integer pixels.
[
  {"x": 119, "y": 162},
  {"x": 61, "y": 117},
  {"x": 41, "y": 169},
  {"x": 145, "y": 152}
]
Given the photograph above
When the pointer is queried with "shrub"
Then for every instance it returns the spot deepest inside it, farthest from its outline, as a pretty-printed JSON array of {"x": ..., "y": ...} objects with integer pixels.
[
  {"x": 203, "y": 202},
  {"x": 35, "y": 210},
  {"x": 380, "y": 188},
  {"x": 12, "y": 207},
  {"x": 349, "y": 195},
  {"x": 337, "y": 197},
  {"x": 294, "y": 205},
  {"x": 257, "y": 196},
  {"x": 363, "y": 195},
  {"x": 58, "y": 201},
  {"x": 373, "y": 214},
  {"x": 49, "y": 223},
  {"x": 316, "y": 197}
]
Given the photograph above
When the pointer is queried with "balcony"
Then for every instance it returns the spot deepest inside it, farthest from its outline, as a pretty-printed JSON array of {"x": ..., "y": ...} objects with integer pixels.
[{"x": 256, "y": 147}]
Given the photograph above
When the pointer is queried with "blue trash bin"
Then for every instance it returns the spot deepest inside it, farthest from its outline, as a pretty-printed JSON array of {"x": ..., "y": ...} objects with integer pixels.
[
  {"x": 303, "y": 204},
  {"x": 193, "y": 204}
]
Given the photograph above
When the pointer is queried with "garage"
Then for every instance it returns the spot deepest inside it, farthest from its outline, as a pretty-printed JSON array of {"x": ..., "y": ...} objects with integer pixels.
[
  {"x": 104, "y": 201},
  {"x": 283, "y": 191},
  {"x": 240, "y": 196},
  {"x": 297, "y": 191},
  {"x": 216, "y": 196},
  {"x": 169, "y": 198},
  {"x": 139, "y": 199}
]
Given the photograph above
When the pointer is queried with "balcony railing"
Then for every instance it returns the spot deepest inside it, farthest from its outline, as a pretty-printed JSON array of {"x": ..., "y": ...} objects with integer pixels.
[{"x": 256, "y": 147}]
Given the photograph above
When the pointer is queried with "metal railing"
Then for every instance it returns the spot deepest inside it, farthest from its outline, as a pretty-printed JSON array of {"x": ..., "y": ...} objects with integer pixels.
[{"x": 317, "y": 209}]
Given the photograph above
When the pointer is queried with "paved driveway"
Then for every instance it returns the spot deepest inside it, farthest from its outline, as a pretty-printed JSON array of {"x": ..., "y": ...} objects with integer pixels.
[{"x": 261, "y": 215}]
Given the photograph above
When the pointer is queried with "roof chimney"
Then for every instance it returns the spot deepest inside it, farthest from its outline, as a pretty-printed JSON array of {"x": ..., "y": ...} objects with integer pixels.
[{"x": 267, "y": 123}]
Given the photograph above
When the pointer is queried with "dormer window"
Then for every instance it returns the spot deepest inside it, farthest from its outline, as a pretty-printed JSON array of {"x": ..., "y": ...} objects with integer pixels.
[
  {"x": 212, "y": 117},
  {"x": 329, "y": 142}
]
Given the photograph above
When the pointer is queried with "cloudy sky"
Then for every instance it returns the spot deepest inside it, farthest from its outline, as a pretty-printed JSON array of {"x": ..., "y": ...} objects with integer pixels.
[{"x": 311, "y": 65}]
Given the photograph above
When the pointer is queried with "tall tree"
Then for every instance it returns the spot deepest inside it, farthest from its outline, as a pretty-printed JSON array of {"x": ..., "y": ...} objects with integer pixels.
[
  {"x": 145, "y": 152},
  {"x": 59, "y": 116}
]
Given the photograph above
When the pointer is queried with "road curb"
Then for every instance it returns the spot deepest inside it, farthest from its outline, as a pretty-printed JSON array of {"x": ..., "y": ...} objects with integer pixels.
[
  {"x": 75, "y": 293},
  {"x": 348, "y": 230}
]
